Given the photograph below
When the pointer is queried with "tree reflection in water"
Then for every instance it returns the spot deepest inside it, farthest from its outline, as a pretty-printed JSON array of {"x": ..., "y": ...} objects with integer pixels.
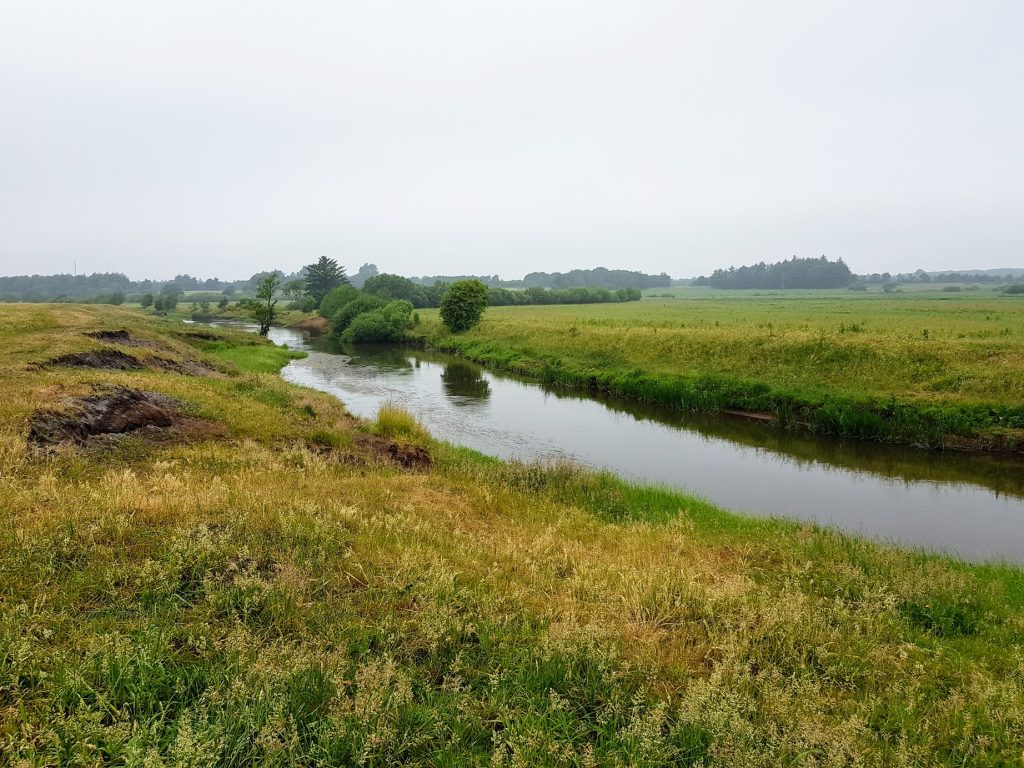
[{"x": 464, "y": 382}]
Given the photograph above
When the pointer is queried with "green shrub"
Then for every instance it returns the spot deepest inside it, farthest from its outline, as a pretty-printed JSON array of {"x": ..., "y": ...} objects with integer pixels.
[
  {"x": 336, "y": 298},
  {"x": 364, "y": 302},
  {"x": 386, "y": 324},
  {"x": 463, "y": 305}
]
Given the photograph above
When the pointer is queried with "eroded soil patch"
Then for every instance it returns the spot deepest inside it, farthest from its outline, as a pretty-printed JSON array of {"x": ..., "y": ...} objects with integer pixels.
[
  {"x": 120, "y": 411},
  {"x": 123, "y": 338},
  {"x": 103, "y": 360},
  {"x": 184, "y": 367}
]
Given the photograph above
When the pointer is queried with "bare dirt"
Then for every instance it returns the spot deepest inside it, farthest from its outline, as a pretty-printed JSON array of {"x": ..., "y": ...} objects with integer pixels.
[
  {"x": 123, "y": 338},
  {"x": 103, "y": 360},
  {"x": 86, "y": 420},
  {"x": 184, "y": 367}
]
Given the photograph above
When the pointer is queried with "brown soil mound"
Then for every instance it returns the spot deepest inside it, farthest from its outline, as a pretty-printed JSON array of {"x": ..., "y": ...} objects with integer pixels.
[
  {"x": 410, "y": 456},
  {"x": 117, "y": 412},
  {"x": 104, "y": 359},
  {"x": 184, "y": 367},
  {"x": 123, "y": 338}
]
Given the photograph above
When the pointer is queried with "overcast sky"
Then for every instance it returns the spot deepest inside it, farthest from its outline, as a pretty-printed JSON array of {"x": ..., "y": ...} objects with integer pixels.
[{"x": 483, "y": 137}]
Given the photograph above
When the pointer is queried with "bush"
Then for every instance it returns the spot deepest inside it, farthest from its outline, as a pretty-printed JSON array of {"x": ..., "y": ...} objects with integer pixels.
[
  {"x": 307, "y": 304},
  {"x": 336, "y": 298},
  {"x": 1014, "y": 290},
  {"x": 386, "y": 324},
  {"x": 952, "y": 289},
  {"x": 463, "y": 305},
  {"x": 364, "y": 302}
]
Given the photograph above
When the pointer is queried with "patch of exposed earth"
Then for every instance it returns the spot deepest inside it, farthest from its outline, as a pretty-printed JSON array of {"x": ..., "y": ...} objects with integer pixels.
[{"x": 119, "y": 411}]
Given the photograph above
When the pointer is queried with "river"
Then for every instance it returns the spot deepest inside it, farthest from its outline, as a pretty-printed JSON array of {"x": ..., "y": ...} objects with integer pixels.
[{"x": 971, "y": 506}]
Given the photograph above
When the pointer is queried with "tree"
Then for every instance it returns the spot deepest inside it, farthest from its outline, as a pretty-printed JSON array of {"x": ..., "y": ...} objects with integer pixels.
[
  {"x": 223, "y": 303},
  {"x": 463, "y": 305},
  {"x": 146, "y": 300},
  {"x": 173, "y": 292},
  {"x": 322, "y": 277},
  {"x": 262, "y": 308},
  {"x": 336, "y": 299},
  {"x": 294, "y": 289},
  {"x": 365, "y": 273}
]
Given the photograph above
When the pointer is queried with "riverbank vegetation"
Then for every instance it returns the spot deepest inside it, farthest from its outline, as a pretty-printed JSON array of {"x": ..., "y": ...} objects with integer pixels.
[
  {"x": 935, "y": 369},
  {"x": 250, "y": 576}
]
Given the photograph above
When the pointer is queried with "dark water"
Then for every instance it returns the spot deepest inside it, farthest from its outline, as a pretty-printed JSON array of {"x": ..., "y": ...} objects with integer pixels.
[{"x": 972, "y": 506}]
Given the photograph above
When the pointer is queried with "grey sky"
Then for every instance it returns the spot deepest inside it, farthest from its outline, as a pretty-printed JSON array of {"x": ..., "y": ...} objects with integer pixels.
[{"x": 504, "y": 137}]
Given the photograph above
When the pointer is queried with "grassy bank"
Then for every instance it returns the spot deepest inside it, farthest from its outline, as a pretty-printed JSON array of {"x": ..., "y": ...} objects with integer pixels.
[
  {"x": 932, "y": 369},
  {"x": 277, "y": 589}
]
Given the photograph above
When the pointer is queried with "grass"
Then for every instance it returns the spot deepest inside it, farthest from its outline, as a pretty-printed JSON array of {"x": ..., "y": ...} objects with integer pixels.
[
  {"x": 276, "y": 595},
  {"x": 396, "y": 423},
  {"x": 936, "y": 369}
]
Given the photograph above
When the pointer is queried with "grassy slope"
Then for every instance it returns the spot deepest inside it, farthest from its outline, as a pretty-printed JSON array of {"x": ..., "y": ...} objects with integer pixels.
[
  {"x": 913, "y": 368},
  {"x": 265, "y": 598}
]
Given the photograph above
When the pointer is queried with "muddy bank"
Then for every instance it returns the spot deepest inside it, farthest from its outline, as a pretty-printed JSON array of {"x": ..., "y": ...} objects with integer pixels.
[
  {"x": 119, "y": 411},
  {"x": 313, "y": 325}
]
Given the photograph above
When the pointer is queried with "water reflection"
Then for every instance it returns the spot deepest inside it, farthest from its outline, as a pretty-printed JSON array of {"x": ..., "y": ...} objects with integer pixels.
[{"x": 464, "y": 382}]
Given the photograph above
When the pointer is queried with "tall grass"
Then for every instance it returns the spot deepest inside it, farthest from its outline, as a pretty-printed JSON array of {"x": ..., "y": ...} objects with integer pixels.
[
  {"x": 395, "y": 422},
  {"x": 855, "y": 367}
]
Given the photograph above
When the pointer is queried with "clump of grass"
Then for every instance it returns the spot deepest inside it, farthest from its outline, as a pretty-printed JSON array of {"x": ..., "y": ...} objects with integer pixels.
[{"x": 396, "y": 423}]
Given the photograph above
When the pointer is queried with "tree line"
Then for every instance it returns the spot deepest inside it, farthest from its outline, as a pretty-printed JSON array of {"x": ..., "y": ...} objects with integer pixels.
[
  {"x": 794, "y": 273},
  {"x": 375, "y": 313},
  {"x": 599, "y": 277}
]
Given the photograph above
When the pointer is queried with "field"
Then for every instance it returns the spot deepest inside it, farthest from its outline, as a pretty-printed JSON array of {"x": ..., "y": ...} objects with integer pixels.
[
  {"x": 928, "y": 367},
  {"x": 268, "y": 581}
]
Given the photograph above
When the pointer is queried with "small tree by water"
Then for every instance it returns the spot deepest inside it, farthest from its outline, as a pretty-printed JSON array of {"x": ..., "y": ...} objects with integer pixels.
[
  {"x": 263, "y": 307},
  {"x": 463, "y": 305}
]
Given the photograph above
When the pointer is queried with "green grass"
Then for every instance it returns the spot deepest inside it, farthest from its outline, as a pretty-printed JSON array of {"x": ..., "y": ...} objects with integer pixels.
[
  {"x": 275, "y": 594},
  {"x": 937, "y": 369}
]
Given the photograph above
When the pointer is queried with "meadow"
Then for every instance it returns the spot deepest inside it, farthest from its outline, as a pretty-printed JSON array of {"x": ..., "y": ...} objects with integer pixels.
[
  {"x": 926, "y": 366},
  {"x": 271, "y": 582}
]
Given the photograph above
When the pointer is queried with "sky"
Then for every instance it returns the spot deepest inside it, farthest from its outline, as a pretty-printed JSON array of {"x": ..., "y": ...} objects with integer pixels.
[{"x": 471, "y": 136}]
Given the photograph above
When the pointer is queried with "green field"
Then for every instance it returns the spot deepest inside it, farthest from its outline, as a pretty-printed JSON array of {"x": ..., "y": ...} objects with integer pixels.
[
  {"x": 264, "y": 583},
  {"x": 929, "y": 367}
]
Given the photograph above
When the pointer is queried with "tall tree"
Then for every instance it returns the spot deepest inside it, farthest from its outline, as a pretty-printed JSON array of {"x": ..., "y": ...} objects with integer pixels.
[
  {"x": 262, "y": 308},
  {"x": 365, "y": 273},
  {"x": 322, "y": 276}
]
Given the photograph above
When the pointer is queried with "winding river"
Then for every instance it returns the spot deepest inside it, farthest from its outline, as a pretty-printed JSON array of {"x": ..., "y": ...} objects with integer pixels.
[{"x": 967, "y": 505}]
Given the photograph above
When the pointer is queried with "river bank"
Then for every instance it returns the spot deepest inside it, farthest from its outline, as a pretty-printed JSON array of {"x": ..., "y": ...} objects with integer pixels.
[
  {"x": 277, "y": 588},
  {"x": 838, "y": 366}
]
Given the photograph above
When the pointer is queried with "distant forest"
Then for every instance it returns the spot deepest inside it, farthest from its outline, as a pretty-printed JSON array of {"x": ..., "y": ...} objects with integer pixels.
[
  {"x": 795, "y": 273},
  {"x": 116, "y": 288},
  {"x": 113, "y": 287},
  {"x": 599, "y": 277}
]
